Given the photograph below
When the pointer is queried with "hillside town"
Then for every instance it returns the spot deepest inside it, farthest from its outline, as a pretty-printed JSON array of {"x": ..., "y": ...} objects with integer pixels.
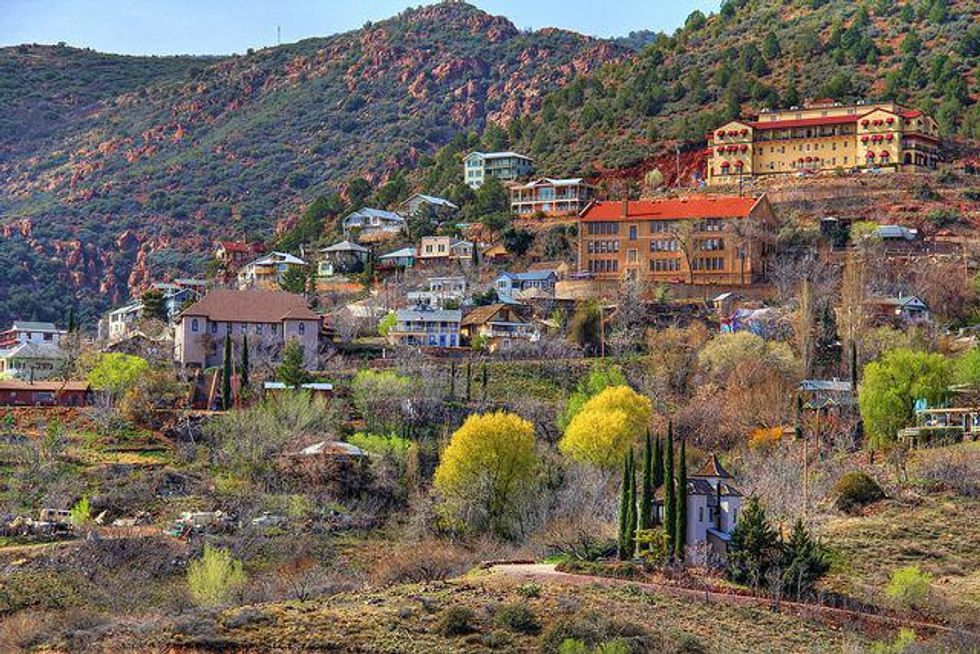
[{"x": 721, "y": 399}]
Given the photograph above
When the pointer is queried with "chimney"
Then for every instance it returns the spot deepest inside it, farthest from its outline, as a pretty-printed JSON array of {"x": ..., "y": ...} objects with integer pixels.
[{"x": 626, "y": 208}]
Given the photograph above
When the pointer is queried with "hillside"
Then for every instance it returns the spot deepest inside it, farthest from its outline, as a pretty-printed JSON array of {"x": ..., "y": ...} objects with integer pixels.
[
  {"x": 752, "y": 55},
  {"x": 44, "y": 88},
  {"x": 143, "y": 181},
  {"x": 130, "y": 175}
]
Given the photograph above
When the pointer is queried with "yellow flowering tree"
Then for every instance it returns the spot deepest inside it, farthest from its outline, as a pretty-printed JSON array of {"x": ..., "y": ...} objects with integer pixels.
[
  {"x": 486, "y": 471},
  {"x": 606, "y": 427}
]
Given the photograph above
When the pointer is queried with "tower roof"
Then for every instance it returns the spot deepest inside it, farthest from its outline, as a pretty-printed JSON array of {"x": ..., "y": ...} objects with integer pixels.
[{"x": 712, "y": 468}]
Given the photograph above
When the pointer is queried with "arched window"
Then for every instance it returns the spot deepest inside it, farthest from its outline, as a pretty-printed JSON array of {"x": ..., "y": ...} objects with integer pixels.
[
  {"x": 302, "y": 328},
  {"x": 194, "y": 324}
]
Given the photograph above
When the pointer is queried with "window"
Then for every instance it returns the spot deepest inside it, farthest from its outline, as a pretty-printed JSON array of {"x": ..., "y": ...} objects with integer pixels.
[
  {"x": 631, "y": 256},
  {"x": 214, "y": 328},
  {"x": 47, "y": 337},
  {"x": 258, "y": 328},
  {"x": 194, "y": 325},
  {"x": 700, "y": 514},
  {"x": 228, "y": 327},
  {"x": 302, "y": 328},
  {"x": 632, "y": 232}
]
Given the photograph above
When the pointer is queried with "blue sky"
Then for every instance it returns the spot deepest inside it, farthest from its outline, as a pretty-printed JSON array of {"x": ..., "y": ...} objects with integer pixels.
[{"x": 225, "y": 26}]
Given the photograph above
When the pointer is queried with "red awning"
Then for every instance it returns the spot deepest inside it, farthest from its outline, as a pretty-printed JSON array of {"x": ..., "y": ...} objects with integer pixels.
[
  {"x": 871, "y": 155},
  {"x": 721, "y": 133},
  {"x": 864, "y": 139},
  {"x": 889, "y": 137},
  {"x": 739, "y": 164},
  {"x": 865, "y": 122},
  {"x": 745, "y": 148},
  {"x": 884, "y": 153}
]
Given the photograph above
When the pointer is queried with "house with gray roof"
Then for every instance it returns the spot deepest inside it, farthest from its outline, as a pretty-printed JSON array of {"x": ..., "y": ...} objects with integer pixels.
[
  {"x": 344, "y": 258},
  {"x": 425, "y": 327},
  {"x": 373, "y": 222},
  {"x": 510, "y": 284},
  {"x": 420, "y": 202}
]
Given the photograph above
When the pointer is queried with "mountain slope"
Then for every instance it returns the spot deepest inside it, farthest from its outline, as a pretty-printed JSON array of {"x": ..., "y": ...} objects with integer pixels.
[
  {"x": 757, "y": 54},
  {"x": 142, "y": 182}
]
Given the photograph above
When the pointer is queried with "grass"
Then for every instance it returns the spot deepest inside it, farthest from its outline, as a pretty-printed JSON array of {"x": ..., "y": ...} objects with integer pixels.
[
  {"x": 407, "y": 619},
  {"x": 939, "y": 533}
]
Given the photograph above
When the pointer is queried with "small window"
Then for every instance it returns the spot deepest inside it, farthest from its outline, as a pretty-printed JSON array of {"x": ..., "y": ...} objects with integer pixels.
[
  {"x": 302, "y": 328},
  {"x": 700, "y": 514},
  {"x": 214, "y": 328},
  {"x": 194, "y": 325},
  {"x": 228, "y": 327}
]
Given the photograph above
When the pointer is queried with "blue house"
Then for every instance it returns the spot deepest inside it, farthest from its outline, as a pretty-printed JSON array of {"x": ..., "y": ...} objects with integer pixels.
[{"x": 509, "y": 284}]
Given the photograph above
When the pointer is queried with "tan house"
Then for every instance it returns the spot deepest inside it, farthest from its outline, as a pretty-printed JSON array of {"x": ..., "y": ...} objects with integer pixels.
[
  {"x": 822, "y": 136},
  {"x": 444, "y": 248},
  {"x": 269, "y": 318},
  {"x": 499, "y": 325},
  {"x": 235, "y": 253},
  {"x": 722, "y": 239}
]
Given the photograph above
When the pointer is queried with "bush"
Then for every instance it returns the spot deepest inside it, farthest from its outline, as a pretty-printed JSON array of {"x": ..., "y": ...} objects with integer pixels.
[
  {"x": 429, "y": 560},
  {"x": 529, "y": 590},
  {"x": 456, "y": 621},
  {"x": 855, "y": 490},
  {"x": 593, "y": 629},
  {"x": 213, "y": 578},
  {"x": 954, "y": 469},
  {"x": 909, "y": 586},
  {"x": 519, "y": 618}
]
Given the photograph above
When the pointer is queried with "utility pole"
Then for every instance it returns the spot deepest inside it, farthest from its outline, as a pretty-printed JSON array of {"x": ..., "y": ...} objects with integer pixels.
[
  {"x": 677, "y": 165},
  {"x": 278, "y": 35}
]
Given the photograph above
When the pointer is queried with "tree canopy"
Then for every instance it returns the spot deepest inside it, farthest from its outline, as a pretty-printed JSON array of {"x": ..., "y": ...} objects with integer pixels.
[
  {"x": 891, "y": 386},
  {"x": 606, "y": 426},
  {"x": 115, "y": 373},
  {"x": 489, "y": 464}
]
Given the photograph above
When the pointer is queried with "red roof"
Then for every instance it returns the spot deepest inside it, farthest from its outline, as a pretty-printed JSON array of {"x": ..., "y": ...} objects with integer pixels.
[
  {"x": 805, "y": 122},
  {"x": 915, "y": 113},
  {"x": 689, "y": 208}
]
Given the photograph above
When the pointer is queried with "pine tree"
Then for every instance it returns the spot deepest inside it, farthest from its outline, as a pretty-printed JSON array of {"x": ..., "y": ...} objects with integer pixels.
[
  {"x": 680, "y": 526},
  {"x": 226, "y": 376},
  {"x": 670, "y": 507},
  {"x": 754, "y": 547},
  {"x": 624, "y": 503},
  {"x": 244, "y": 368},
  {"x": 291, "y": 370},
  {"x": 646, "y": 490},
  {"x": 804, "y": 561}
]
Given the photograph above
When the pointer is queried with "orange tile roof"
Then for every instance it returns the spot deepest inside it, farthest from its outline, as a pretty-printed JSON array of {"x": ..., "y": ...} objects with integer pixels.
[
  {"x": 689, "y": 208},
  {"x": 43, "y": 386},
  {"x": 251, "y": 306}
]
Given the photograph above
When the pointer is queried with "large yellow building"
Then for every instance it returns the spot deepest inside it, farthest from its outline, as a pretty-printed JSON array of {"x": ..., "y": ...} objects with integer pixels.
[{"x": 822, "y": 136}]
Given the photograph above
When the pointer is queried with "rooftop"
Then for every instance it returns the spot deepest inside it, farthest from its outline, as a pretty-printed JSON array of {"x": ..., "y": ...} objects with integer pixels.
[
  {"x": 826, "y": 385},
  {"x": 482, "y": 315},
  {"x": 27, "y": 326},
  {"x": 498, "y": 155},
  {"x": 432, "y": 199},
  {"x": 344, "y": 246},
  {"x": 43, "y": 386},
  {"x": 712, "y": 468},
  {"x": 428, "y": 315},
  {"x": 251, "y": 306},
  {"x": 686, "y": 208},
  {"x": 277, "y": 257},
  {"x": 400, "y": 254}
]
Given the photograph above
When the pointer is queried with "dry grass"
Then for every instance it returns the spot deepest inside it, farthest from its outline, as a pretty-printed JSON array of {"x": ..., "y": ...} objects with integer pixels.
[{"x": 939, "y": 533}]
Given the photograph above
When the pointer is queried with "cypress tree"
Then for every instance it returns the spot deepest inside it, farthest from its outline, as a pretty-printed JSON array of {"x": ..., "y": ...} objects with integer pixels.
[
  {"x": 632, "y": 522},
  {"x": 452, "y": 381},
  {"x": 226, "y": 376},
  {"x": 658, "y": 463},
  {"x": 670, "y": 507},
  {"x": 484, "y": 381},
  {"x": 245, "y": 363},
  {"x": 680, "y": 526},
  {"x": 646, "y": 488},
  {"x": 71, "y": 321},
  {"x": 469, "y": 381},
  {"x": 624, "y": 503}
]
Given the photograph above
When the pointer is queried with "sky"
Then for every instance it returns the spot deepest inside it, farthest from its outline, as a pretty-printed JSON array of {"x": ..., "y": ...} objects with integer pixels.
[{"x": 164, "y": 27}]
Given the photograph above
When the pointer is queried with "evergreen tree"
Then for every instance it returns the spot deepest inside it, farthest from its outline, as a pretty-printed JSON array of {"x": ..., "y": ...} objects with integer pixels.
[
  {"x": 469, "y": 381},
  {"x": 670, "y": 507},
  {"x": 243, "y": 373},
  {"x": 153, "y": 305},
  {"x": 658, "y": 463},
  {"x": 804, "y": 561},
  {"x": 72, "y": 326},
  {"x": 631, "y": 522},
  {"x": 624, "y": 503},
  {"x": 680, "y": 526},
  {"x": 226, "y": 376},
  {"x": 645, "y": 520},
  {"x": 754, "y": 547},
  {"x": 291, "y": 370}
]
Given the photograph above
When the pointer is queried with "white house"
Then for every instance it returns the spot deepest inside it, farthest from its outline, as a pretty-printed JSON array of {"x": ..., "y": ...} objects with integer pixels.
[
  {"x": 505, "y": 166},
  {"x": 713, "y": 505},
  {"x": 440, "y": 290},
  {"x": 23, "y": 332},
  {"x": 374, "y": 222},
  {"x": 267, "y": 272}
]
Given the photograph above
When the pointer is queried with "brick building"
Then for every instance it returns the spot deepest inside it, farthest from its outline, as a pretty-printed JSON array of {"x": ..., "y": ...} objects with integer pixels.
[{"x": 695, "y": 240}]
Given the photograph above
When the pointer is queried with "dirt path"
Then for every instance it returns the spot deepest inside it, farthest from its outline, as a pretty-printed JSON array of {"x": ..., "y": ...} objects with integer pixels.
[{"x": 546, "y": 573}]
